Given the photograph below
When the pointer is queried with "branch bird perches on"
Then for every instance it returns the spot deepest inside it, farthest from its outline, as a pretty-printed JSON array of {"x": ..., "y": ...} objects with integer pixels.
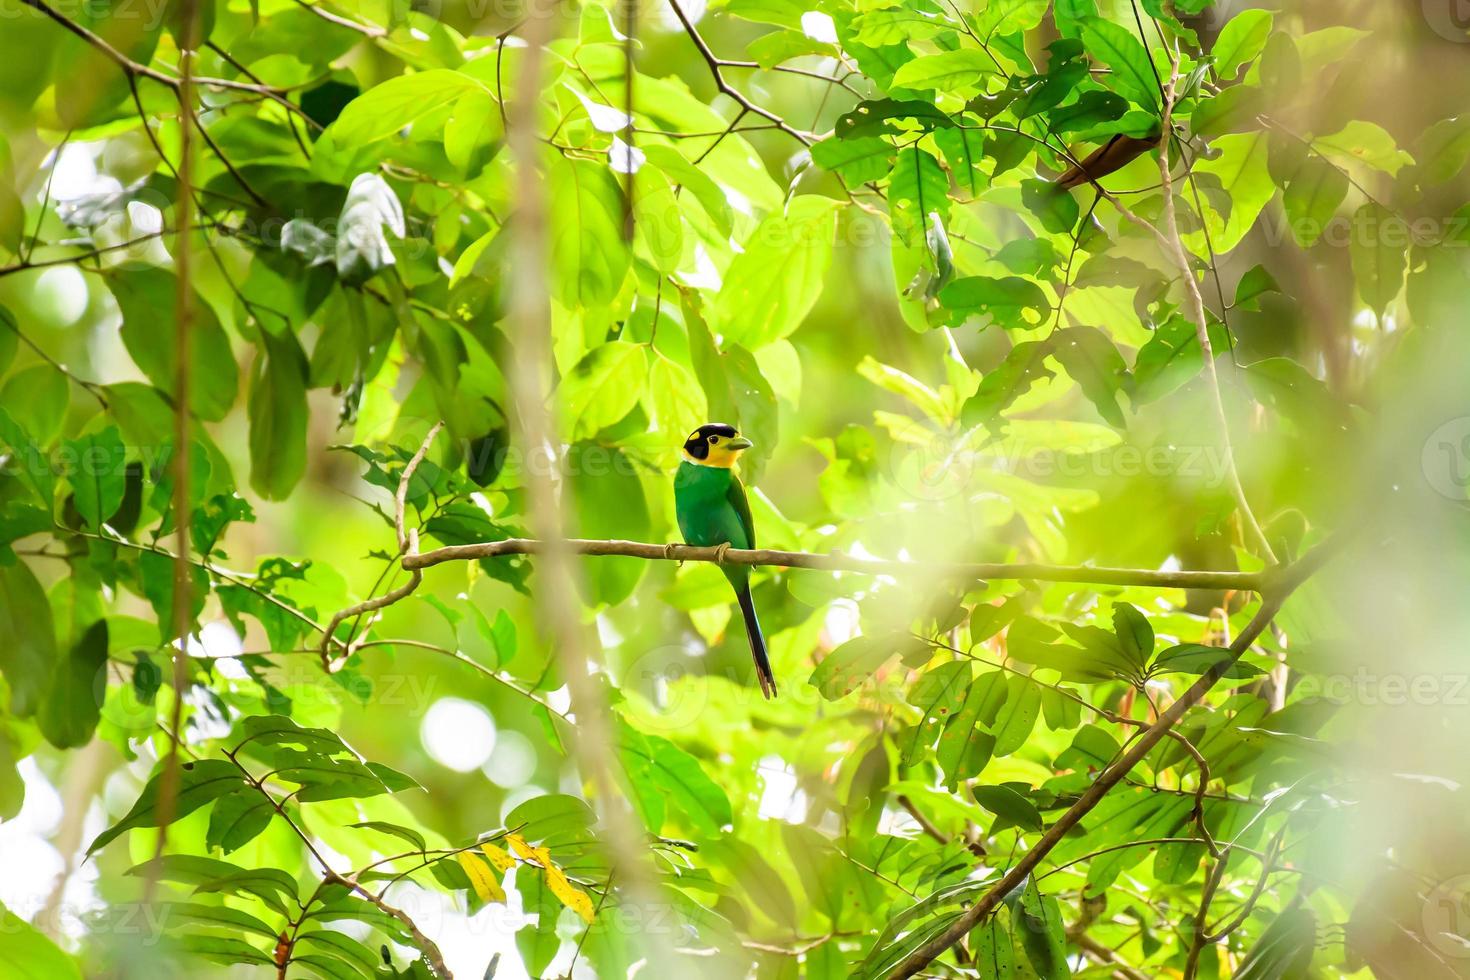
[{"x": 414, "y": 562}]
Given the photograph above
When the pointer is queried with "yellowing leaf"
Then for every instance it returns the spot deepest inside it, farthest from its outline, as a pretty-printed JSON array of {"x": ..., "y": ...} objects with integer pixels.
[
  {"x": 569, "y": 894},
  {"x": 525, "y": 851},
  {"x": 556, "y": 880},
  {"x": 481, "y": 877},
  {"x": 499, "y": 859}
]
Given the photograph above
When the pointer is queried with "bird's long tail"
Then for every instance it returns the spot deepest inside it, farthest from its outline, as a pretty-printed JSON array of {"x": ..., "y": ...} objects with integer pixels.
[{"x": 757, "y": 642}]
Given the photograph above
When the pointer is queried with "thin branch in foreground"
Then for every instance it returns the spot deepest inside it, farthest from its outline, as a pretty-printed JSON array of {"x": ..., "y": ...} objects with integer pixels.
[
  {"x": 1174, "y": 245},
  {"x": 183, "y": 585},
  {"x": 408, "y": 546}
]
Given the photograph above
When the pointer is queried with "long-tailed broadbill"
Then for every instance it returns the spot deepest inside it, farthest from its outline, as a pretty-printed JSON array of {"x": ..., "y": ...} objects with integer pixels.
[{"x": 712, "y": 509}]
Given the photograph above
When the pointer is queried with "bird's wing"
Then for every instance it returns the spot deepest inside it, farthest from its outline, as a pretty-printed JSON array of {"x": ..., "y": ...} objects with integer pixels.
[{"x": 737, "y": 499}]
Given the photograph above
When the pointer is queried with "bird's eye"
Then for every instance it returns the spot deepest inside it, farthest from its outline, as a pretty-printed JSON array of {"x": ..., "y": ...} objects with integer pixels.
[{"x": 713, "y": 440}]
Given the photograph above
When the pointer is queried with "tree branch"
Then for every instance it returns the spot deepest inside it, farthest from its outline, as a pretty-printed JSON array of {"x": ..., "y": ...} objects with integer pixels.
[
  {"x": 183, "y": 585},
  {"x": 1147, "y": 578},
  {"x": 1174, "y": 245},
  {"x": 725, "y": 87},
  {"x": 408, "y": 546},
  {"x": 1115, "y": 773}
]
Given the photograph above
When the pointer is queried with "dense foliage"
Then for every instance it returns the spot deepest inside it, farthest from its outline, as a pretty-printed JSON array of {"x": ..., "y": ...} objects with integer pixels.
[{"x": 1146, "y": 285}]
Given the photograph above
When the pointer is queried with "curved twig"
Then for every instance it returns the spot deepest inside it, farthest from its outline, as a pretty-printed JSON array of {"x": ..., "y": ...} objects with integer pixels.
[{"x": 408, "y": 546}]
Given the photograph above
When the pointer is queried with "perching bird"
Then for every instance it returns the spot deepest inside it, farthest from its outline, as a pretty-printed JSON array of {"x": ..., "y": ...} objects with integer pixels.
[
  {"x": 1109, "y": 158},
  {"x": 710, "y": 503}
]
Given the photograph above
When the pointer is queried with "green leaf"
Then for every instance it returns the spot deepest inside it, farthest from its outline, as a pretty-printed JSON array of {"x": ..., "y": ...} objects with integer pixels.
[
  {"x": 1244, "y": 180},
  {"x": 218, "y": 916},
  {"x": 589, "y": 258},
  {"x": 37, "y": 397},
  {"x": 771, "y": 286},
  {"x": 1232, "y": 111},
  {"x": 1171, "y": 357},
  {"x": 684, "y": 174},
  {"x": 278, "y": 416},
  {"x": 1255, "y": 283},
  {"x": 859, "y": 160},
  {"x": 938, "y": 694},
  {"x": 894, "y": 25},
  {"x": 1444, "y": 149},
  {"x": 657, "y": 220},
  {"x": 1029, "y": 641},
  {"x": 1379, "y": 246},
  {"x": 1366, "y": 143},
  {"x": 1117, "y": 47},
  {"x": 1092, "y": 748},
  {"x": 1054, "y": 206},
  {"x": 844, "y": 669},
  {"x": 68, "y": 716},
  {"x": 1024, "y": 366},
  {"x": 967, "y": 742},
  {"x": 271, "y": 885},
  {"x": 603, "y": 387},
  {"x": 1088, "y": 355},
  {"x": 1284, "y": 951},
  {"x": 146, "y": 295},
  {"x": 610, "y": 503},
  {"x": 1010, "y": 806},
  {"x": 992, "y": 947},
  {"x": 1013, "y": 302},
  {"x": 9, "y": 338},
  {"x": 964, "y": 149},
  {"x": 200, "y": 783},
  {"x": 342, "y": 947},
  {"x": 962, "y": 71},
  {"x": 28, "y": 655},
  {"x": 412, "y": 837},
  {"x": 1312, "y": 197},
  {"x": 1240, "y": 40},
  {"x": 1197, "y": 658},
  {"x": 472, "y": 131},
  {"x": 678, "y": 776},
  {"x": 29, "y": 955},
  {"x": 95, "y": 467},
  {"x": 1017, "y": 718},
  {"x": 222, "y": 949},
  {"x": 1135, "y": 635},
  {"x": 917, "y": 189},
  {"x": 1042, "y": 935},
  {"x": 237, "y": 819},
  {"x": 555, "y": 820},
  {"x": 537, "y": 942},
  {"x": 389, "y": 106}
]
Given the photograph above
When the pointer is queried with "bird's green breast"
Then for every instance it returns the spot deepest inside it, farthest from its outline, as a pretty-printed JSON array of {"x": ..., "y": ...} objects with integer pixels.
[{"x": 702, "y": 505}]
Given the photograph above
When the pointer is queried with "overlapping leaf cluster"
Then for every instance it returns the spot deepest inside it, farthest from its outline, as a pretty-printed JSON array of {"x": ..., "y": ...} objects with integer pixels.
[{"x": 850, "y": 240}]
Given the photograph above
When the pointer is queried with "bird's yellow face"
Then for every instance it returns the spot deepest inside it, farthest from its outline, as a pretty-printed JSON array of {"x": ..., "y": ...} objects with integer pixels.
[{"x": 715, "y": 444}]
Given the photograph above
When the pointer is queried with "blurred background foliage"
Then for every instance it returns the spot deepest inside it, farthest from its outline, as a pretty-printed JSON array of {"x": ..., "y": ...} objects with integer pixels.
[{"x": 835, "y": 223}]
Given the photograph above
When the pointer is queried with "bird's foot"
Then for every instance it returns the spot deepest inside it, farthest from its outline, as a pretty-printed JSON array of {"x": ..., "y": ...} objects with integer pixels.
[
  {"x": 669, "y": 552},
  {"x": 720, "y": 550}
]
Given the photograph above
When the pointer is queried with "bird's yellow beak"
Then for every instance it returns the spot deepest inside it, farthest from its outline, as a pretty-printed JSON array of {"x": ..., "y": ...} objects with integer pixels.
[{"x": 738, "y": 443}]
